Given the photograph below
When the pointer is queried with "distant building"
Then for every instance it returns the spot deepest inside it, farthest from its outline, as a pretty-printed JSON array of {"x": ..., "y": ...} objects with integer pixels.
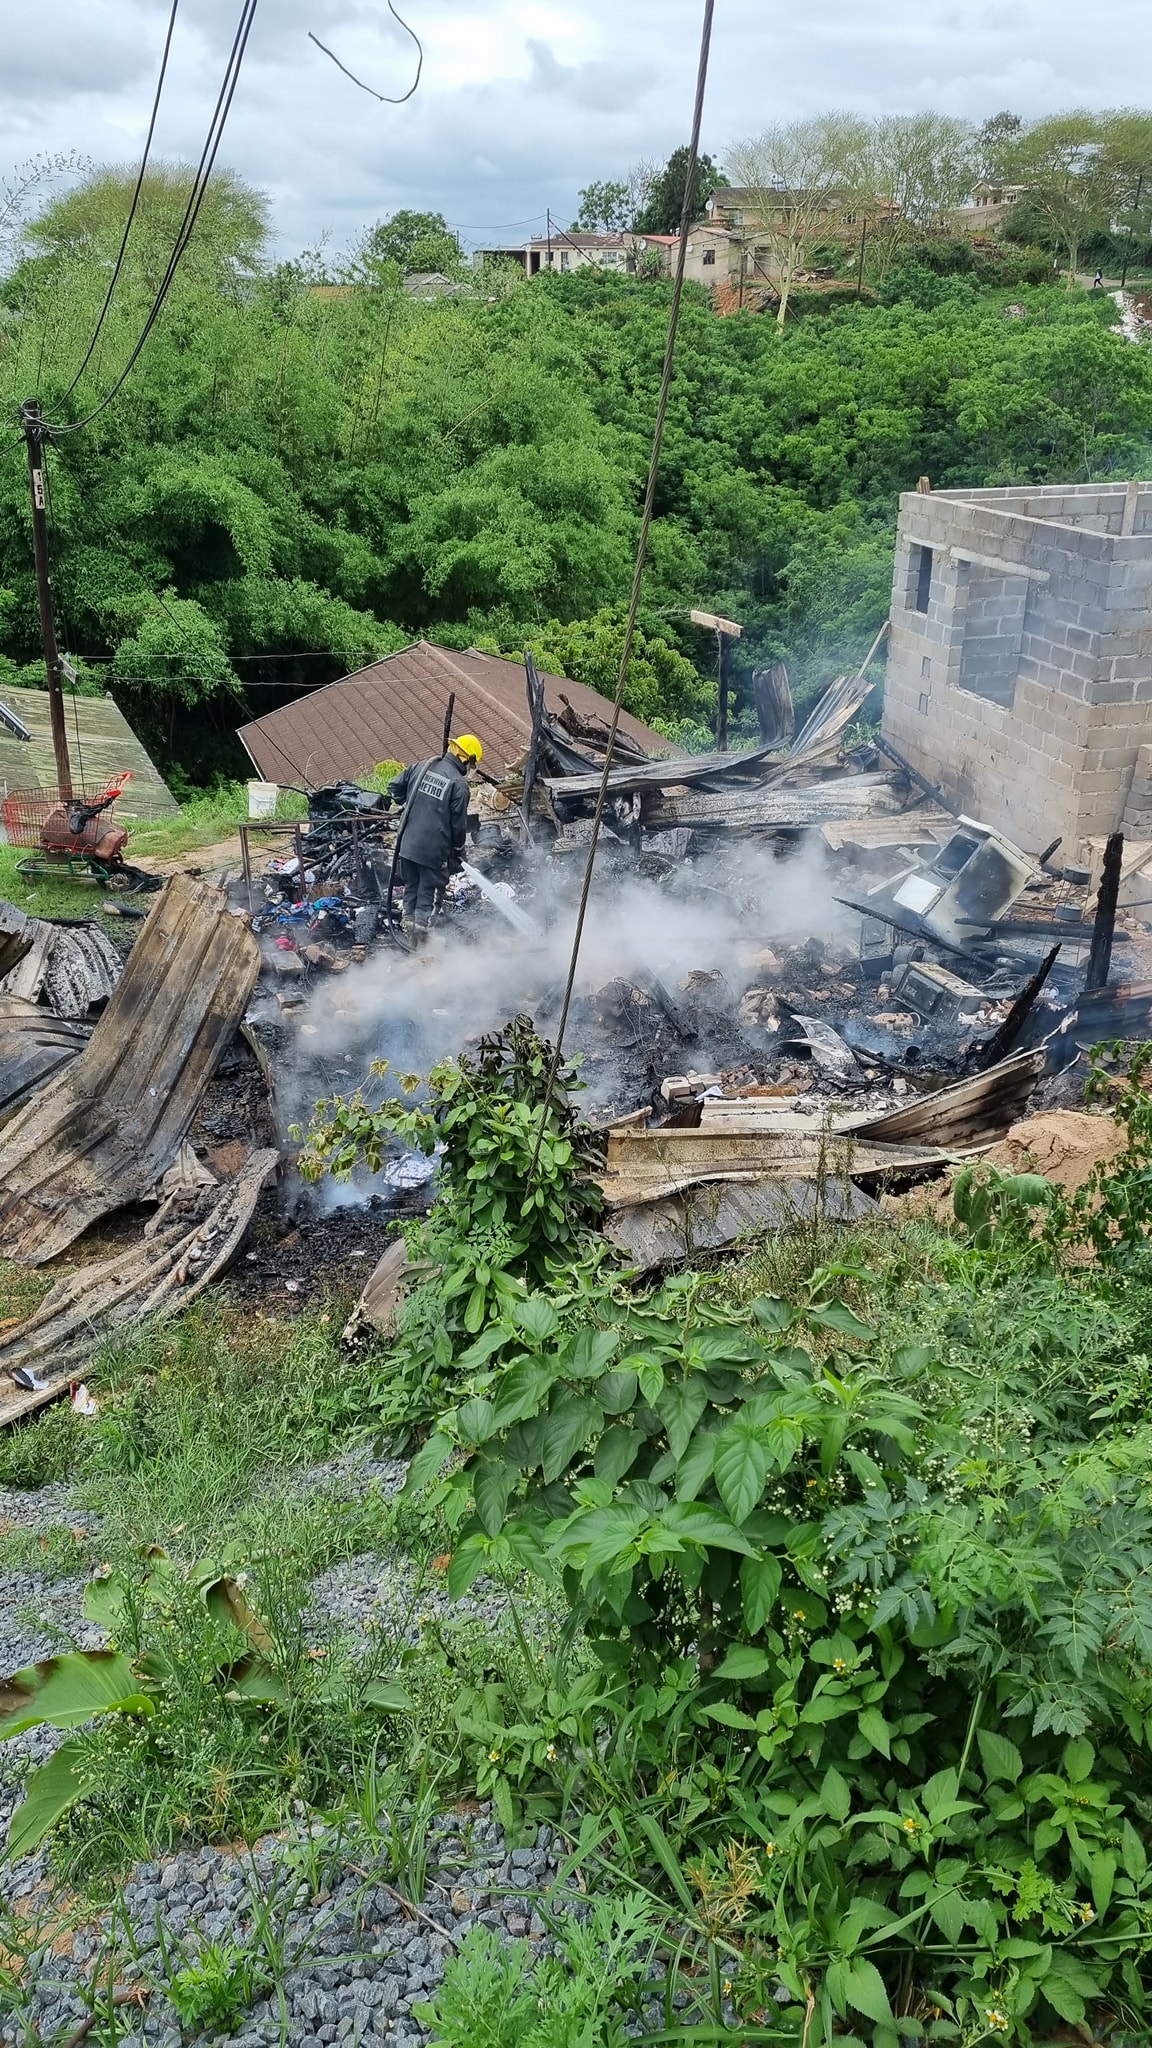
[
  {"x": 560, "y": 252},
  {"x": 987, "y": 207}
]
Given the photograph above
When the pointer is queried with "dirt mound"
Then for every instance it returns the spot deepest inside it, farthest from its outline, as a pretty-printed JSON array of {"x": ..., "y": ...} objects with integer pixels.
[{"x": 1062, "y": 1144}]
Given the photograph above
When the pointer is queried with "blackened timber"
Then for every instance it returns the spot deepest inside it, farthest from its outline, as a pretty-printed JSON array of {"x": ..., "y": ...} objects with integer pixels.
[
  {"x": 678, "y": 773},
  {"x": 920, "y": 782},
  {"x": 1100, "y": 957},
  {"x": 1001, "y": 1043}
]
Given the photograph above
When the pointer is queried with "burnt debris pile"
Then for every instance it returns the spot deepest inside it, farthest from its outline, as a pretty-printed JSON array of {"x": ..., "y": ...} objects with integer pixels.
[{"x": 803, "y": 978}]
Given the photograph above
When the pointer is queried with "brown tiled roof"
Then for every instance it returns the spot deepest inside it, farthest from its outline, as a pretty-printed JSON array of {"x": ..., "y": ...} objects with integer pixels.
[{"x": 394, "y": 711}]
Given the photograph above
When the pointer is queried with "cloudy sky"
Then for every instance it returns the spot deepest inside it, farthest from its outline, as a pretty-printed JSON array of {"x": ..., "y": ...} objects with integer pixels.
[{"x": 524, "y": 101}]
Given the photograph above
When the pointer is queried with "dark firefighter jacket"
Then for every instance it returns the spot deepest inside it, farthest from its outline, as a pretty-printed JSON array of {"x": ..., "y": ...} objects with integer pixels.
[{"x": 437, "y": 822}]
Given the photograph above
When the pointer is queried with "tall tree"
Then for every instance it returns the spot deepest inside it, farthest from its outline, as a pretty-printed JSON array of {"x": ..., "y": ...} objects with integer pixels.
[
  {"x": 605, "y": 208},
  {"x": 415, "y": 241},
  {"x": 85, "y": 225},
  {"x": 1127, "y": 144},
  {"x": 1073, "y": 183},
  {"x": 915, "y": 168},
  {"x": 664, "y": 207},
  {"x": 793, "y": 173},
  {"x": 998, "y": 133}
]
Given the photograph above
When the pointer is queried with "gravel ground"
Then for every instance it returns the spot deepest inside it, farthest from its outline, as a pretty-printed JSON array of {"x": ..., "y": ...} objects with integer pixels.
[
  {"x": 350, "y": 1961},
  {"x": 354, "y": 1959}
]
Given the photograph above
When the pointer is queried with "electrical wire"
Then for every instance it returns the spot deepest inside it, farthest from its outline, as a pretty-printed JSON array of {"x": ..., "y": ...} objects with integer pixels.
[
  {"x": 381, "y": 96},
  {"x": 119, "y": 263},
  {"x": 489, "y": 227},
  {"x": 191, "y": 213},
  {"x": 638, "y": 570}
]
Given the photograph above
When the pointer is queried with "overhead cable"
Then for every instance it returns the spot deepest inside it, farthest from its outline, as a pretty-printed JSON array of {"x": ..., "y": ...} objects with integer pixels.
[
  {"x": 638, "y": 570},
  {"x": 119, "y": 263},
  {"x": 55, "y": 429},
  {"x": 383, "y": 97}
]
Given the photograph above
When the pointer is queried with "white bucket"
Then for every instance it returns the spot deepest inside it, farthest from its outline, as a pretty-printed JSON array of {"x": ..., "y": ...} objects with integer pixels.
[{"x": 262, "y": 798}]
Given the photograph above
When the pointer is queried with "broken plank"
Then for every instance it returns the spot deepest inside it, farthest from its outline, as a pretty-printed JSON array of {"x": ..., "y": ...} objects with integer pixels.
[
  {"x": 709, "y": 1218},
  {"x": 768, "y": 809},
  {"x": 644, "y": 1165},
  {"x": 157, "y": 1274}
]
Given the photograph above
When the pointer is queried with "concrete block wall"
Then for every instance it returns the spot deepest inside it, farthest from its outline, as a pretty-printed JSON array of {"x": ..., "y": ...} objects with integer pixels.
[{"x": 1025, "y": 689}]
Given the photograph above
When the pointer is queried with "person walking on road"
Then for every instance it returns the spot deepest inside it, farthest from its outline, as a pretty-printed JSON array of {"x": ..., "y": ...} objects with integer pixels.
[{"x": 430, "y": 840}]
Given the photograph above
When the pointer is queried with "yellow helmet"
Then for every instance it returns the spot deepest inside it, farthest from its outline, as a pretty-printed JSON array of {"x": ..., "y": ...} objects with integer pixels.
[{"x": 468, "y": 745}]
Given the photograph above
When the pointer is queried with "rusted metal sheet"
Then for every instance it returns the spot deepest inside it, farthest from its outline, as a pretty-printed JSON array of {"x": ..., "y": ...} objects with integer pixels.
[
  {"x": 644, "y": 1166},
  {"x": 717, "y": 1213},
  {"x": 161, "y": 1273},
  {"x": 104, "y": 1131},
  {"x": 34, "y": 1045},
  {"x": 382, "y": 1294},
  {"x": 967, "y": 1113}
]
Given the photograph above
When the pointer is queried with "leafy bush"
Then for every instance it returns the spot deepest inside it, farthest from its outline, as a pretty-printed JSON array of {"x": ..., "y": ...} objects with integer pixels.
[
  {"x": 497, "y": 1994},
  {"x": 516, "y": 1197},
  {"x": 210, "y": 1994},
  {"x": 909, "y": 1666}
]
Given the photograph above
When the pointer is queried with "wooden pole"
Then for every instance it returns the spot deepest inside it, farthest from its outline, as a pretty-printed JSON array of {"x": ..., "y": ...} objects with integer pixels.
[
  {"x": 721, "y": 697},
  {"x": 33, "y": 435}
]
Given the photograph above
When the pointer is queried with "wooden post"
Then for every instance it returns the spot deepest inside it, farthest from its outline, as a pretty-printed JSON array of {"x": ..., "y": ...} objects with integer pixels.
[
  {"x": 721, "y": 697},
  {"x": 1100, "y": 957},
  {"x": 33, "y": 435}
]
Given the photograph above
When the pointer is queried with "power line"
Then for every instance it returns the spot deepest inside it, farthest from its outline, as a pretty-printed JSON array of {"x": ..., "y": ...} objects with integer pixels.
[
  {"x": 273, "y": 654},
  {"x": 638, "y": 570},
  {"x": 381, "y": 96},
  {"x": 489, "y": 227},
  {"x": 114, "y": 279},
  {"x": 191, "y": 212}
]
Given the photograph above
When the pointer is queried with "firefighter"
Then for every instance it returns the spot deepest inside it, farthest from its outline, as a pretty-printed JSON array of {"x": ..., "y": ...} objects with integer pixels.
[{"x": 430, "y": 840}]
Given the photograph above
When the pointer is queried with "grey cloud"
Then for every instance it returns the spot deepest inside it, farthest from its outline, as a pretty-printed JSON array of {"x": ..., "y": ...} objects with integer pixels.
[
  {"x": 603, "y": 88},
  {"x": 607, "y": 85}
]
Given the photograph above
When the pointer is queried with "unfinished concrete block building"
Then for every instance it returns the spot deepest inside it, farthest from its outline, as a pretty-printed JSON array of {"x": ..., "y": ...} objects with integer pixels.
[{"x": 1020, "y": 657}]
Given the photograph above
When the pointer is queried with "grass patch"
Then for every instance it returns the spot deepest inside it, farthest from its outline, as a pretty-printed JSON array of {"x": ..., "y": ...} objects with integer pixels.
[
  {"x": 21, "y": 1290},
  {"x": 57, "y": 897},
  {"x": 194, "y": 1413}
]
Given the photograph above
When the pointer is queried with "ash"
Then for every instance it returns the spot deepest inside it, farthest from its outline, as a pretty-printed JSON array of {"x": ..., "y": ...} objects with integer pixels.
[{"x": 706, "y": 971}]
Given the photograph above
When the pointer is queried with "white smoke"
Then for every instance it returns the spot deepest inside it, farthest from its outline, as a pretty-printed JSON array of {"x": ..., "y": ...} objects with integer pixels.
[{"x": 709, "y": 915}]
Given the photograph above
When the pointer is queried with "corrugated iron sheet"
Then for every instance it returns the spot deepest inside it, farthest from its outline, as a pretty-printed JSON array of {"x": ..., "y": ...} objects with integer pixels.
[
  {"x": 967, "y": 1113},
  {"x": 394, "y": 711},
  {"x": 163, "y": 1272},
  {"x": 34, "y": 1045},
  {"x": 104, "y": 1131}
]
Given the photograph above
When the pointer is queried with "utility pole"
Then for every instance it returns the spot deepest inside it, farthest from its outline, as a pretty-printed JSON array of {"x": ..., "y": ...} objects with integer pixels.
[
  {"x": 725, "y": 630},
  {"x": 34, "y": 436}
]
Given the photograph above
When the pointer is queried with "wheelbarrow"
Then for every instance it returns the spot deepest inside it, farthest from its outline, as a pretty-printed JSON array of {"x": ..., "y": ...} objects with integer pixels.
[{"x": 73, "y": 836}]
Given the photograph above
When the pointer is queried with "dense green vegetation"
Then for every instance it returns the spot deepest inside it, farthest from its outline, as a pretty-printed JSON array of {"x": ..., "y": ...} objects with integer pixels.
[
  {"x": 830, "y": 1623},
  {"x": 298, "y": 469}
]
